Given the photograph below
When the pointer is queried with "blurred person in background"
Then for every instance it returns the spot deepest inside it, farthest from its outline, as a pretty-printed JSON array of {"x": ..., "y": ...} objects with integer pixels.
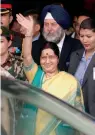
[
  {"x": 6, "y": 19},
  {"x": 10, "y": 67},
  {"x": 77, "y": 21},
  {"x": 37, "y": 24},
  {"x": 9, "y": 62}
]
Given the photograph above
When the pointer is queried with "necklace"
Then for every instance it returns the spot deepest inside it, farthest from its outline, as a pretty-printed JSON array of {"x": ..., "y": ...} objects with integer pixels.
[{"x": 48, "y": 78}]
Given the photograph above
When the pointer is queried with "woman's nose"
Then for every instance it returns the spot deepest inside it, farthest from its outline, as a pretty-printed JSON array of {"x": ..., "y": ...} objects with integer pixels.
[
  {"x": 47, "y": 60},
  {"x": 85, "y": 40}
]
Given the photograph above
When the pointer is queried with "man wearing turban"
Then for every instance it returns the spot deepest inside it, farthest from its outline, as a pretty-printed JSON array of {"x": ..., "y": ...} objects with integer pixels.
[{"x": 56, "y": 20}]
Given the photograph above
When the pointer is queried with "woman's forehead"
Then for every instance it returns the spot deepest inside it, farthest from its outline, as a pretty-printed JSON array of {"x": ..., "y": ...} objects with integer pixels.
[
  {"x": 47, "y": 51},
  {"x": 86, "y": 31}
]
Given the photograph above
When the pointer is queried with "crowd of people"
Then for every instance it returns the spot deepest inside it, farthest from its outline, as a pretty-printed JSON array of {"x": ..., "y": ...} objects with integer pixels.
[{"x": 38, "y": 50}]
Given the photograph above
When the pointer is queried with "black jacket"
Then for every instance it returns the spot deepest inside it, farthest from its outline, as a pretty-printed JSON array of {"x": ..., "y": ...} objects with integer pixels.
[{"x": 88, "y": 85}]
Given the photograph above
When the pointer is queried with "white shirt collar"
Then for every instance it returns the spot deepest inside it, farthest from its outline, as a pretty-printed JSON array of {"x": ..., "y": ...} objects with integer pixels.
[
  {"x": 60, "y": 44},
  {"x": 36, "y": 38},
  {"x": 73, "y": 35}
]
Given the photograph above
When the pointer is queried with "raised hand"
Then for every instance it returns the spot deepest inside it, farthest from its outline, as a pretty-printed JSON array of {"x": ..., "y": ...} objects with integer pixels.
[{"x": 26, "y": 23}]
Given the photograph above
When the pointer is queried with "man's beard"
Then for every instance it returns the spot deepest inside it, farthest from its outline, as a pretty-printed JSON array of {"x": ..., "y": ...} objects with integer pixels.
[{"x": 54, "y": 37}]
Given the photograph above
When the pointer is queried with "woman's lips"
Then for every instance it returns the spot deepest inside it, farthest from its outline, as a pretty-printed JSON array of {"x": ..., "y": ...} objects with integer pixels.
[{"x": 86, "y": 45}]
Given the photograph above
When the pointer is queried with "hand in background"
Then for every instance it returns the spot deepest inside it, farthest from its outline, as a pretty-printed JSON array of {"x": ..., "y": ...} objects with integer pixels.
[{"x": 26, "y": 23}]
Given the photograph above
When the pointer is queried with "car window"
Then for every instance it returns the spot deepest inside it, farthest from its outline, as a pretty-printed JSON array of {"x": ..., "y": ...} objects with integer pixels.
[
  {"x": 20, "y": 118},
  {"x": 24, "y": 107}
]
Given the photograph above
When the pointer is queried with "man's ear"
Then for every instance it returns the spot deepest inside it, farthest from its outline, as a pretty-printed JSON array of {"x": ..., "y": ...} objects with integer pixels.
[
  {"x": 37, "y": 28},
  {"x": 9, "y": 43},
  {"x": 11, "y": 18}
]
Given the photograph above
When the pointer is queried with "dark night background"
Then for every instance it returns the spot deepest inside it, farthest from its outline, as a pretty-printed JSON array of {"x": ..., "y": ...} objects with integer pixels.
[{"x": 72, "y": 6}]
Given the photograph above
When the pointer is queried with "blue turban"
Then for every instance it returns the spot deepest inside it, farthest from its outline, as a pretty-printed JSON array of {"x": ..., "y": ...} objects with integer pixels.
[{"x": 59, "y": 14}]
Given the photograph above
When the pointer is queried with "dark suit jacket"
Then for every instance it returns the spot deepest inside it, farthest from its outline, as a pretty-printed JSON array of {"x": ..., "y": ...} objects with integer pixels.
[
  {"x": 17, "y": 40},
  {"x": 69, "y": 46},
  {"x": 88, "y": 86}
]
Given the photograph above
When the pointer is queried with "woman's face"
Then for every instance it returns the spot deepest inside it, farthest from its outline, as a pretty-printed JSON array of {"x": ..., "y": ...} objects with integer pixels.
[
  {"x": 87, "y": 38},
  {"x": 4, "y": 45},
  {"x": 49, "y": 61}
]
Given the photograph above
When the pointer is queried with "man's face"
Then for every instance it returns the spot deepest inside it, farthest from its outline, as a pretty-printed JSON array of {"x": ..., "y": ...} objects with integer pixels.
[
  {"x": 6, "y": 19},
  {"x": 75, "y": 23},
  {"x": 52, "y": 31},
  {"x": 79, "y": 21}
]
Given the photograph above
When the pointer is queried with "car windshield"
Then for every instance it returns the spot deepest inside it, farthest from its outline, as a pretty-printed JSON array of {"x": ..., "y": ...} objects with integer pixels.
[{"x": 20, "y": 104}]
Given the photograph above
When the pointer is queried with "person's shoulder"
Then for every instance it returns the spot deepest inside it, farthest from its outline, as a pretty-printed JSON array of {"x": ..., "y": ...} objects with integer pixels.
[
  {"x": 73, "y": 41},
  {"x": 17, "y": 61},
  {"x": 15, "y": 57},
  {"x": 17, "y": 65},
  {"x": 78, "y": 52},
  {"x": 68, "y": 77},
  {"x": 40, "y": 42},
  {"x": 68, "y": 37}
]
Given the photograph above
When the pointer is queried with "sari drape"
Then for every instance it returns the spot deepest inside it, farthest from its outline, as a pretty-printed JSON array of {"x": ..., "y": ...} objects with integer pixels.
[{"x": 26, "y": 125}]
